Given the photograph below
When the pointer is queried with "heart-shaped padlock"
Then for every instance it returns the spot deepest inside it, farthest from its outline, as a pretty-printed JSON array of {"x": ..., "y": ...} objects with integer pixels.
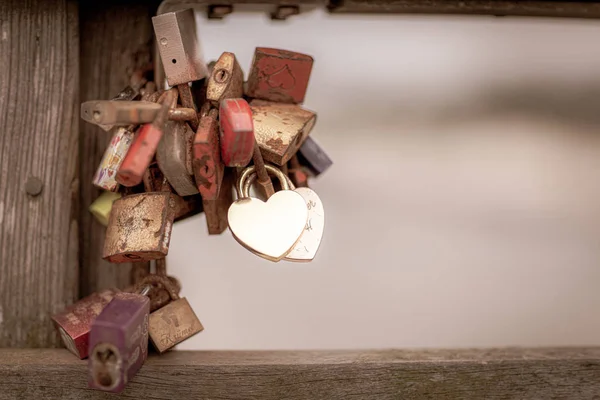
[
  {"x": 306, "y": 247},
  {"x": 268, "y": 229}
]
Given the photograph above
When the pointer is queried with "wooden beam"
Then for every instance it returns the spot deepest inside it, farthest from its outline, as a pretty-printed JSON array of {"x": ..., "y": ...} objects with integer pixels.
[
  {"x": 531, "y": 8},
  {"x": 116, "y": 39},
  {"x": 392, "y": 374},
  {"x": 39, "y": 80},
  {"x": 567, "y": 9}
]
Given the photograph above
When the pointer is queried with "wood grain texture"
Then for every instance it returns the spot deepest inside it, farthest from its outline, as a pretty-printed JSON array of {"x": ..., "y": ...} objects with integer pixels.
[
  {"x": 568, "y": 9},
  {"x": 115, "y": 41},
  {"x": 38, "y": 139},
  {"x": 393, "y": 374}
]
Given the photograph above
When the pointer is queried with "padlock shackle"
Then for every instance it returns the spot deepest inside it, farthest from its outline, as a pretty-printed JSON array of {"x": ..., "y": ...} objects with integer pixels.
[
  {"x": 159, "y": 280},
  {"x": 243, "y": 187},
  {"x": 250, "y": 180}
]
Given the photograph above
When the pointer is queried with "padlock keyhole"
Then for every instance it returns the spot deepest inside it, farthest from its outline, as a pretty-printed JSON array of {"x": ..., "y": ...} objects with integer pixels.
[
  {"x": 221, "y": 76},
  {"x": 174, "y": 61}
]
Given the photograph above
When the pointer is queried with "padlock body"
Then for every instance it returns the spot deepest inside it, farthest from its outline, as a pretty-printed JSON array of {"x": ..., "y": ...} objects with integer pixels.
[
  {"x": 127, "y": 94},
  {"x": 207, "y": 164},
  {"x": 237, "y": 132},
  {"x": 179, "y": 48},
  {"x": 226, "y": 79},
  {"x": 279, "y": 75},
  {"x": 105, "y": 177},
  {"x": 75, "y": 322},
  {"x": 171, "y": 157},
  {"x": 119, "y": 342},
  {"x": 140, "y": 155},
  {"x": 102, "y": 206},
  {"x": 139, "y": 227},
  {"x": 280, "y": 129},
  {"x": 173, "y": 324},
  {"x": 103, "y": 112},
  {"x": 215, "y": 211},
  {"x": 314, "y": 157}
]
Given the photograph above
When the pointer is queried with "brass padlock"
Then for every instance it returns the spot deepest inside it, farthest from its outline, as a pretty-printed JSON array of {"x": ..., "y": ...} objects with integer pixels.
[
  {"x": 226, "y": 80},
  {"x": 173, "y": 323},
  {"x": 280, "y": 129},
  {"x": 171, "y": 157},
  {"x": 139, "y": 228}
]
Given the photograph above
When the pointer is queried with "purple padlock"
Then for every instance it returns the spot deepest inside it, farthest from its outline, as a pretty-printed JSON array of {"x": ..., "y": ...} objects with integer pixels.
[{"x": 119, "y": 342}]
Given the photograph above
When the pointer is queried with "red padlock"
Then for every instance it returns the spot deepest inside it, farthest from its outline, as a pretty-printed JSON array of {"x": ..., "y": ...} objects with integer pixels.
[
  {"x": 208, "y": 168},
  {"x": 237, "y": 132},
  {"x": 144, "y": 145},
  {"x": 279, "y": 75}
]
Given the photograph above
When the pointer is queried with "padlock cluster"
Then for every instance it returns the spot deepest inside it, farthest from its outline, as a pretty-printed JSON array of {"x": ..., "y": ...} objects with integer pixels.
[{"x": 180, "y": 151}]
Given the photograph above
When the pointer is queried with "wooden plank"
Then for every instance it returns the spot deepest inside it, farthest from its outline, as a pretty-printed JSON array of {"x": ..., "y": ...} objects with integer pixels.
[
  {"x": 116, "y": 39},
  {"x": 393, "y": 374},
  {"x": 38, "y": 167},
  {"x": 568, "y": 9}
]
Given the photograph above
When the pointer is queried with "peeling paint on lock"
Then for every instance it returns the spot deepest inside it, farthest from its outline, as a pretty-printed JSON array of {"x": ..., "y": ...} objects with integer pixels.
[{"x": 280, "y": 129}]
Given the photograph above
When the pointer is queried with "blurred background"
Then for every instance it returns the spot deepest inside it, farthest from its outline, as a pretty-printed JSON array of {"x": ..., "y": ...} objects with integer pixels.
[{"x": 463, "y": 209}]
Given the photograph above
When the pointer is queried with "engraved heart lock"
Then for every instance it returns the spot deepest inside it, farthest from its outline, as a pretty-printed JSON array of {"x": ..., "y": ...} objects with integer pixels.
[
  {"x": 268, "y": 229},
  {"x": 306, "y": 247}
]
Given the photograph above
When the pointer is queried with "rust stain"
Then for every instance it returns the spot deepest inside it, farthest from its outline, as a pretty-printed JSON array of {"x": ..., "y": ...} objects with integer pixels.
[{"x": 276, "y": 144}]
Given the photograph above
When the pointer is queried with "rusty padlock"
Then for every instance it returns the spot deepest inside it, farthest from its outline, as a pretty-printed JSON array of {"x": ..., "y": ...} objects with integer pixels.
[
  {"x": 139, "y": 228},
  {"x": 158, "y": 295},
  {"x": 215, "y": 211},
  {"x": 279, "y": 75},
  {"x": 103, "y": 112},
  {"x": 119, "y": 341},
  {"x": 280, "y": 129},
  {"x": 75, "y": 322},
  {"x": 173, "y": 323},
  {"x": 179, "y": 47},
  {"x": 130, "y": 112},
  {"x": 128, "y": 94},
  {"x": 296, "y": 173},
  {"x": 171, "y": 157},
  {"x": 207, "y": 164},
  {"x": 143, "y": 147},
  {"x": 226, "y": 80},
  {"x": 237, "y": 132}
]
